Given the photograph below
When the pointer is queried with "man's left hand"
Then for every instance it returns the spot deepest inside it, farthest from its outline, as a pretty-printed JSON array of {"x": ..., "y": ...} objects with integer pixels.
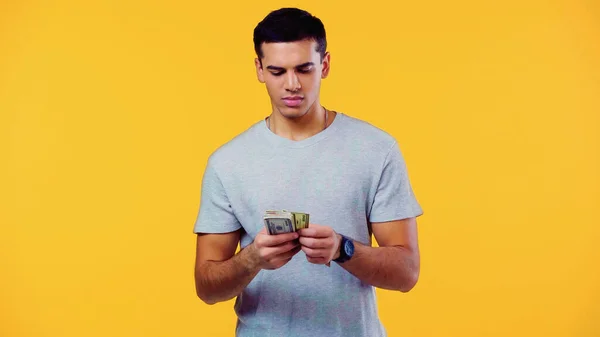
[{"x": 321, "y": 244}]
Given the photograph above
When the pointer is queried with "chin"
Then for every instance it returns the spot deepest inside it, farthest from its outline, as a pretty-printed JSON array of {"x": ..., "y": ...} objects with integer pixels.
[{"x": 293, "y": 112}]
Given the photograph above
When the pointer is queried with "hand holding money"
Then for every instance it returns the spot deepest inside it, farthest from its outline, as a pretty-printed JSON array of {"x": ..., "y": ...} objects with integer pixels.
[
  {"x": 321, "y": 244},
  {"x": 274, "y": 251}
]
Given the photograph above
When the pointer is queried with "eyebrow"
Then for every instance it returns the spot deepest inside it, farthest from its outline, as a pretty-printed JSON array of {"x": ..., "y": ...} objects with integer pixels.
[{"x": 303, "y": 65}]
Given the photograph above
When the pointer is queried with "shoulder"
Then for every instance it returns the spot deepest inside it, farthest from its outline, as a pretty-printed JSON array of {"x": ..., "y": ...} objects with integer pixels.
[
  {"x": 233, "y": 150},
  {"x": 366, "y": 136}
]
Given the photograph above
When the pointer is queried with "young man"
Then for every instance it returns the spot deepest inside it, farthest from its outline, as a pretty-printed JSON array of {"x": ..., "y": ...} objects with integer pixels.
[{"x": 347, "y": 174}]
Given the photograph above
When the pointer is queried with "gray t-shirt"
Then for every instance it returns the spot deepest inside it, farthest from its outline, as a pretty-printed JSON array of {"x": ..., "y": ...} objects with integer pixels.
[{"x": 345, "y": 176}]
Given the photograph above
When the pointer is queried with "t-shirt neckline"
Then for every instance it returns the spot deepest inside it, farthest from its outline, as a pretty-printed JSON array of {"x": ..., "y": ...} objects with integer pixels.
[{"x": 277, "y": 140}]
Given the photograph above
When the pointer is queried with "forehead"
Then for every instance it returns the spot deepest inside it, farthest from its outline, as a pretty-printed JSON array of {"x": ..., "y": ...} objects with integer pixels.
[{"x": 290, "y": 54}]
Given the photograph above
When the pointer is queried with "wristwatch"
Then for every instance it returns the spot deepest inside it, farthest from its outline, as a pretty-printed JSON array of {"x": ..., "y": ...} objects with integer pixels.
[{"x": 346, "y": 250}]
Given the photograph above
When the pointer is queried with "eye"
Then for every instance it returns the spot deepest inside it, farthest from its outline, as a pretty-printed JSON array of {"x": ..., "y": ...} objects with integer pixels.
[
  {"x": 305, "y": 70},
  {"x": 279, "y": 73}
]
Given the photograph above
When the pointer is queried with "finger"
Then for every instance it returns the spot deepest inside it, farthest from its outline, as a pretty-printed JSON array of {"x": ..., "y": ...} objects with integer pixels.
[
  {"x": 316, "y": 260},
  {"x": 311, "y": 242},
  {"x": 277, "y": 239},
  {"x": 270, "y": 252},
  {"x": 315, "y": 231},
  {"x": 287, "y": 255},
  {"x": 314, "y": 252}
]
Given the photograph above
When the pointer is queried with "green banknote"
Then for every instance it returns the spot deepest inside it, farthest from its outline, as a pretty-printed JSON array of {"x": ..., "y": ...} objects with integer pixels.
[{"x": 283, "y": 221}]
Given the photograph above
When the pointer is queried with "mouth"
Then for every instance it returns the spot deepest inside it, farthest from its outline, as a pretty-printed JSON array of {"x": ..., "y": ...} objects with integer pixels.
[{"x": 293, "y": 101}]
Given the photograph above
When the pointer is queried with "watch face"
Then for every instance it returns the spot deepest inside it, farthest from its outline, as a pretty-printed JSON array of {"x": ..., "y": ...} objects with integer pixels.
[{"x": 348, "y": 248}]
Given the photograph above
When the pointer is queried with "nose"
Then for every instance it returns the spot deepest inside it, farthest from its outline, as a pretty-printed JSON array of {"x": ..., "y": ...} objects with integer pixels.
[{"x": 291, "y": 82}]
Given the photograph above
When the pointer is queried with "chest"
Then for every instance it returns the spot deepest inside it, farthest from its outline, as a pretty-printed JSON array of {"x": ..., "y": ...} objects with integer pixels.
[{"x": 335, "y": 189}]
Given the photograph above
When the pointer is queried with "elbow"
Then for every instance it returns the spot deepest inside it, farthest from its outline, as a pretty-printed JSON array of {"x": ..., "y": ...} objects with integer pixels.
[
  {"x": 203, "y": 293},
  {"x": 409, "y": 282},
  {"x": 410, "y": 276},
  {"x": 205, "y": 297},
  {"x": 208, "y": 300}
]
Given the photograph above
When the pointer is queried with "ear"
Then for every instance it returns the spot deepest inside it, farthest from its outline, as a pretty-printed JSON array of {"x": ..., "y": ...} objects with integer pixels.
[
  {"x": 326, "y": 65},
  {"x": 259, "y": 70}
]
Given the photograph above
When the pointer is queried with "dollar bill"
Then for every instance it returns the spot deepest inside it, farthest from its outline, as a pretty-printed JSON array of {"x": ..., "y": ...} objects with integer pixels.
[
  {"x": 301, "y": 220},
  {"x": 283, "y": 221},
  {"x": 279, "y": 225}
]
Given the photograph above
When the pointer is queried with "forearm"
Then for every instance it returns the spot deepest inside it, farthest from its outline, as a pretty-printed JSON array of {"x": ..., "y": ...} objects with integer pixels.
[
  {"x": 393, "y": 268},
  {"x": 218, "y": 281}
]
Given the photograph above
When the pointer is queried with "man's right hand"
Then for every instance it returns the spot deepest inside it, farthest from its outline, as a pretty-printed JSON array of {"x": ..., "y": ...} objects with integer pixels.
[{"x": 274, "y": 251}]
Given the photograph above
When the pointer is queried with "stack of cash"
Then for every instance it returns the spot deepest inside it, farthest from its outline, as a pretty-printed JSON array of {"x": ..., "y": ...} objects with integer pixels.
[{"x": 278, "y": 222}]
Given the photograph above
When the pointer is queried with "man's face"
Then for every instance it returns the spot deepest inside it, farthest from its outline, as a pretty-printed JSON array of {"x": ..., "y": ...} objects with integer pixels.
[{"x": 292, "y": 73}]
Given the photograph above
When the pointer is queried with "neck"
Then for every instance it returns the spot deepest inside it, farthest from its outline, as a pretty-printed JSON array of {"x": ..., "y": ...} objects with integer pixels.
[{"x": 300, "y": 127}]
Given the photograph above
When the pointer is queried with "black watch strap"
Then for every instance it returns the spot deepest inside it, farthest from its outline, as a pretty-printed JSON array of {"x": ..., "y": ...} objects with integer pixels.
[{"x": 346, "y": 250}]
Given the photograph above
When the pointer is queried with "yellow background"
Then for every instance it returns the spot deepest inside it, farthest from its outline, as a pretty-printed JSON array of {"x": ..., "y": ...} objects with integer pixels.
[{"x": 109, "y": 110}]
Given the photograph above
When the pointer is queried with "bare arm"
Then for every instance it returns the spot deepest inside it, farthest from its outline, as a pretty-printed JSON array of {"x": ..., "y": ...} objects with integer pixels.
[
  {"x": 221, "y": 275},
  {"x": 394, "y": 265}
]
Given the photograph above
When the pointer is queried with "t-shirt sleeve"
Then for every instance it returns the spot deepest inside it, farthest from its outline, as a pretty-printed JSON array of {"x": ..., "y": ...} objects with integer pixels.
[
  {"x": 215, "y": 214},
  {"x": 394, "y": 197}
]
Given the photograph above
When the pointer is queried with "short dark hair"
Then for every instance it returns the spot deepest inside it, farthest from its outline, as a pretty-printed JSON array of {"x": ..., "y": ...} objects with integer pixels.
[{"x": 289, "y": 24}]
